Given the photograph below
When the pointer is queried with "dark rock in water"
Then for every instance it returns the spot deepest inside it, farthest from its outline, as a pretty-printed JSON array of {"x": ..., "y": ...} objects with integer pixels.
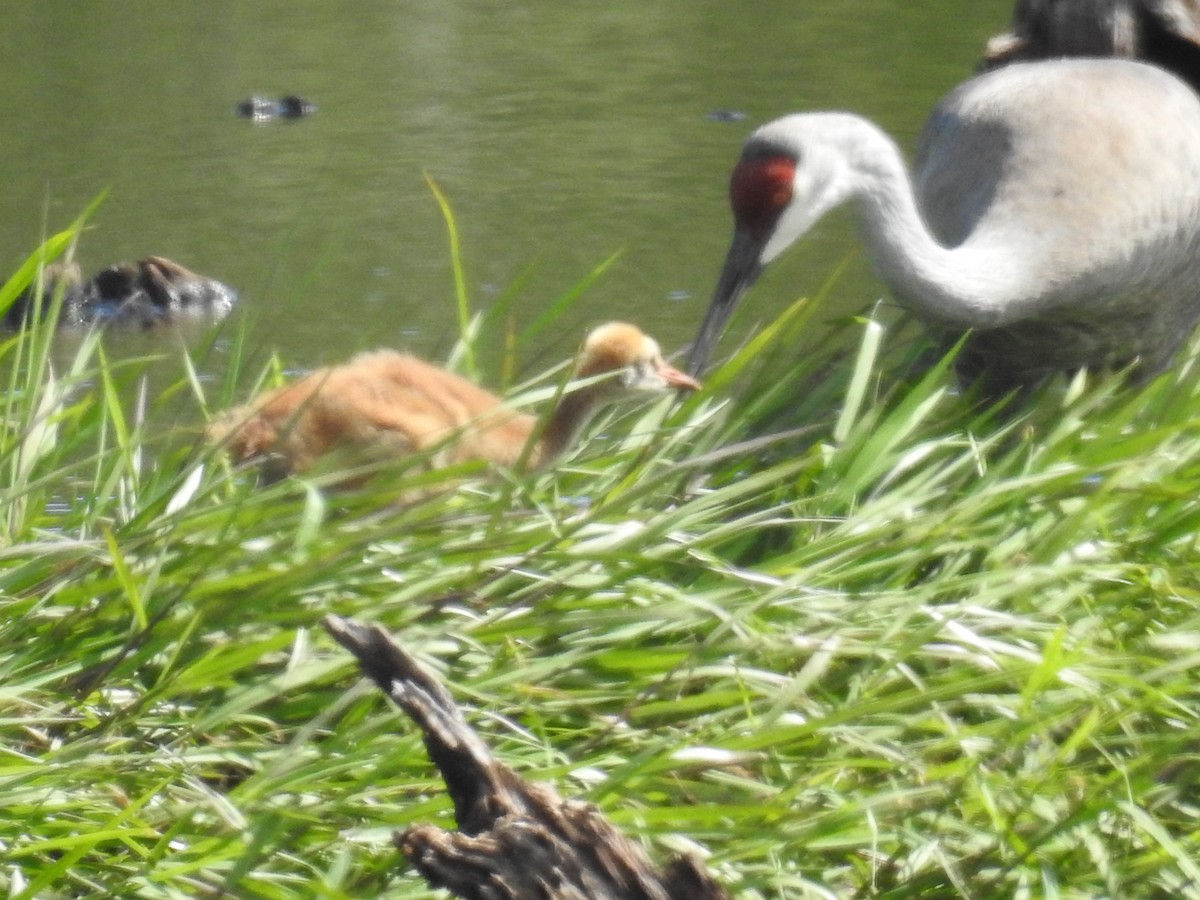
[
  {"x": 152, "y": 291},
  {"x": 1163, "y": 32},
  {"x": 258, "y": 108},
  {"x": 293, "y": 107},
  {"x": 263, "y": 109}
]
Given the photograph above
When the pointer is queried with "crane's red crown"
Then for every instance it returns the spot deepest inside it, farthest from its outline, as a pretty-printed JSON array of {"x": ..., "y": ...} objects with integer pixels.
[{"x": 759, "y": 190}]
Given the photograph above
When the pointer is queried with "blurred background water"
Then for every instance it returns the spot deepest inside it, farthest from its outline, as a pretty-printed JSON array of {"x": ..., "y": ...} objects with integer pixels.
[{"x": 561, "y": 135}]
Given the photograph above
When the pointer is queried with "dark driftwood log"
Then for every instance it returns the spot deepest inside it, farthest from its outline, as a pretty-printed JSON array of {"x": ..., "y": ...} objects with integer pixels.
[
  {"x": 153, "y": 291},
  {"x": 1163, "y": 32},
  {"x": 516, "y": 840}
]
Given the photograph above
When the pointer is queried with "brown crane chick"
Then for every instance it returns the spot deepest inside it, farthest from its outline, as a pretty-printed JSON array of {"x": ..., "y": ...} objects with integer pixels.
[{"x": 384, "y": 405}]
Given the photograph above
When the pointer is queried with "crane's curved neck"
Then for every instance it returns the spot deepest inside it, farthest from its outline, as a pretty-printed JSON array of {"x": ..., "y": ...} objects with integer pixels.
[
  {"x": 968, "y": 286},
  {"x": 566, "y": 420}
]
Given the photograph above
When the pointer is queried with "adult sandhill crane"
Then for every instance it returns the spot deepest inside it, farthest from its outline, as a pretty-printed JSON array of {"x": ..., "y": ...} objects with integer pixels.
[
  {"x": 1163, "y": 32},
  {"x": 383, "y": 405},
  {"x": 1054, "y": 214}
]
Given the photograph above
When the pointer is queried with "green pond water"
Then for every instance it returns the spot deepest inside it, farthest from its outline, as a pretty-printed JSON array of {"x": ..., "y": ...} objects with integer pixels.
[{"x": 561, "y": 134}]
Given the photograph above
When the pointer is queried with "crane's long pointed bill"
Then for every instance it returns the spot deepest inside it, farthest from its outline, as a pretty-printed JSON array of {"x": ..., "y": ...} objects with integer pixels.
[
  {"x": 673, "y": 378},
  {"x": 740, "y": 269}
]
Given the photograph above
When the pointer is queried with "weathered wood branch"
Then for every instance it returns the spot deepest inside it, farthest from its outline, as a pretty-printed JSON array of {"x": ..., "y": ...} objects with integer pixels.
[{"x": 516, "y": 840}]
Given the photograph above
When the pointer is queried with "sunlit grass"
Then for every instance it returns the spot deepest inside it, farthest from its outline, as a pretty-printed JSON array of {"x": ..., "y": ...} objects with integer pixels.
[{"x": 830, "y": 626}]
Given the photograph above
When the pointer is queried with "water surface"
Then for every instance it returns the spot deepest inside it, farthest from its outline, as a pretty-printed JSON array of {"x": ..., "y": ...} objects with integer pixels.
[{"x": 560, "y": 135}]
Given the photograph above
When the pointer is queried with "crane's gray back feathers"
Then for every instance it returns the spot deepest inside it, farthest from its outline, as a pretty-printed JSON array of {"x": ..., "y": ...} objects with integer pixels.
[{"x": 1089, "y": 172}]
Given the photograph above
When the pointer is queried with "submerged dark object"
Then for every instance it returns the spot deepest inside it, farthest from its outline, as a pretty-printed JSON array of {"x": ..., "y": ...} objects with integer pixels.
[
  {"x": 152, "y": 291},
  {"x": 1163, "y": 32},
  {"x": 262, "y": 109}
]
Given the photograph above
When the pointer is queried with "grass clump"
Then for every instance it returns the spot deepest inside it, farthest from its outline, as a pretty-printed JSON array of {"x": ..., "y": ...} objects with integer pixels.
[{"x": 839, "y": 632}]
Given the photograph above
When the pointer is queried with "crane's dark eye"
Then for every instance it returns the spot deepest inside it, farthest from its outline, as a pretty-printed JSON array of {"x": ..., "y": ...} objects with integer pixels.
[{"x": 759, "y": 189}]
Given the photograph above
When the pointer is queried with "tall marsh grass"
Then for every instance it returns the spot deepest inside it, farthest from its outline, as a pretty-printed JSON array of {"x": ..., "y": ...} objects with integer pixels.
[{"x": 836, "y": 630}]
